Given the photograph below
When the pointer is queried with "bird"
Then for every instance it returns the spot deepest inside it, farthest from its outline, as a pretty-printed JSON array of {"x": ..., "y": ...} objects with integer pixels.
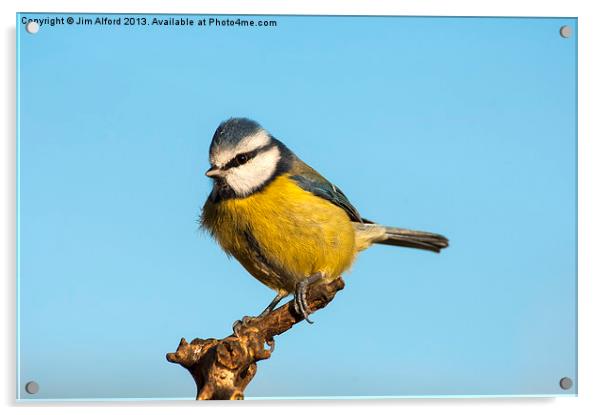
[{"x": 286, "y": 224}]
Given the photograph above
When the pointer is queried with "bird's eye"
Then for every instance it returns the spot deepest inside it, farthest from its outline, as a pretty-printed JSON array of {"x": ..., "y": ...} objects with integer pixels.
[{"x": 242, "y": 158}]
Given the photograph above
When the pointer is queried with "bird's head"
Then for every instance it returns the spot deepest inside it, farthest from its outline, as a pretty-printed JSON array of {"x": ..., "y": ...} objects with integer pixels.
[{"x": 244, "y": 157}]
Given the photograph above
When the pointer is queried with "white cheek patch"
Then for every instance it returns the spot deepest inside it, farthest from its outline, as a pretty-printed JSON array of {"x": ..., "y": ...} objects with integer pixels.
[
  {"x": 259, "y": 139},
  {"x": 248, "y": 177}
]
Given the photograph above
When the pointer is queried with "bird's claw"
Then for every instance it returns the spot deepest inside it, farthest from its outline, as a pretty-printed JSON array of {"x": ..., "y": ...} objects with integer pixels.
[
  {"x": 239, "y": 324},
  {"x": 271, "y": 343},
  {"x": 300, "y": 300}
]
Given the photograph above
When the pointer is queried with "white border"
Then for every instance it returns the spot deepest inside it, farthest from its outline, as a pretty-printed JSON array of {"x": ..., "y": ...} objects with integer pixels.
[{"x": 590, "y": 206}]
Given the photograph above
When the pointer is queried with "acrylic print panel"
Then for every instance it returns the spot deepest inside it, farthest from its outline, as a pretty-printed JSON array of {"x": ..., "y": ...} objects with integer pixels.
[{"x": 465, "y": 127}]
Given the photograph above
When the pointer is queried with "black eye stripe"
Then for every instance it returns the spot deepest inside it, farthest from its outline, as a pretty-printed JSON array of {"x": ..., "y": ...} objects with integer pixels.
[
  {"x": 243, "y": 158},
  {"x": 240, "y": 159}
]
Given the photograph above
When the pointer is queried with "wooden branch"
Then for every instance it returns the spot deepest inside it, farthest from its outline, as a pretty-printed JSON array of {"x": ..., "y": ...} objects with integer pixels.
[{"x": 222, "y": 369}]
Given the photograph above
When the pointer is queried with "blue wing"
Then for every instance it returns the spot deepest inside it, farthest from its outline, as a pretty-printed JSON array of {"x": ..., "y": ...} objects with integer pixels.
[{"x": 310, "y": 180}]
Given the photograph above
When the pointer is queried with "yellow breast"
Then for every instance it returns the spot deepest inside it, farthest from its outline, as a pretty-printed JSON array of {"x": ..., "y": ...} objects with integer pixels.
[{"x": 296, "y": 232}]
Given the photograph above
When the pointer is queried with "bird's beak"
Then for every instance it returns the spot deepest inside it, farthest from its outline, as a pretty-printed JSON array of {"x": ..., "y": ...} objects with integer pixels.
[{"x": 213, "y": 172}]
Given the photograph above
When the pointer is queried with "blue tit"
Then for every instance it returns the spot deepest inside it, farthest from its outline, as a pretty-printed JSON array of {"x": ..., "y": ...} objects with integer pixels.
[{"x": 287, "y": 225}]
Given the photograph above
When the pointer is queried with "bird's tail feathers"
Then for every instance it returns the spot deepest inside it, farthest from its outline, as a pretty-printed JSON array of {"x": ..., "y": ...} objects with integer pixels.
[{"x": 371, "y": 233}]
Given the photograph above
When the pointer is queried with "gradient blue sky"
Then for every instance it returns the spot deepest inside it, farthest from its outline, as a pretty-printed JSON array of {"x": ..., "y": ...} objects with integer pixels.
[{"x": 463, "y": 126}]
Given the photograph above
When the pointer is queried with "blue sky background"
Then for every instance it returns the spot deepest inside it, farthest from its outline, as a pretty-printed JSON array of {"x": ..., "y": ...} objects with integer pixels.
[{"x": 463, "y": 126}]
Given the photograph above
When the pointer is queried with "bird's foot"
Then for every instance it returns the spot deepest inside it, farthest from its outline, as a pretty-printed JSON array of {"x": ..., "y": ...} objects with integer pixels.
[
  {"x": 240, "y": 324},
  {"x": 300, "y": 300}
]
